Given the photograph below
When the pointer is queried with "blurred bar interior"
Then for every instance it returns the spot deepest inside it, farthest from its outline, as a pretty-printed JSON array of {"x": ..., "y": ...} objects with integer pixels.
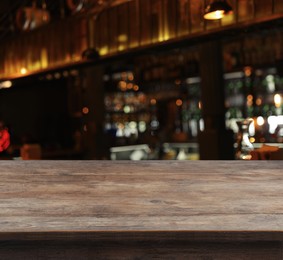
[{"x": 141, "y": 79}]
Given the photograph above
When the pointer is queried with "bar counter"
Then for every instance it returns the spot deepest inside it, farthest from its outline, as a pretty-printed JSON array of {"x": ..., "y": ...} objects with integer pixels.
[{"x": 141, "y": 210}]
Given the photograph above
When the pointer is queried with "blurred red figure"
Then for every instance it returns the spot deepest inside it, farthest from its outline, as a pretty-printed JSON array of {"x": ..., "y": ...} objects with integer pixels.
[{"x": 4, "y": 137}]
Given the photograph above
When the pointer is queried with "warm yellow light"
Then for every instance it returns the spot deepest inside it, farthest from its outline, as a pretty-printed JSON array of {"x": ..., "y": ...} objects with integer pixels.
[
  {"x": 6, "y": 84},
  {"x": 130, "y": 85},
  {"x": 121, "y": 47},
  {"x": 131, "y": 76},
  {"x": 166, "y": 34},
  {"x": 250, "y": 100},
  {"x": 250, "y": 97},
  {"x": 179, "y": 102},
  {"x": 153, "y": 101},
  {"x": 214, "y": 15},
  {"x": 136, "y": 88},
  {"x": 260, "y": 121},
  {"x": 258, "y": 101},
  {"x": 248, "y": 71},
  {"x": 217, "y": 9},
  {"x": 103, "y": 50},
  {"x": 123, "y": 85},
  {"x": 85, "y": 110},
  {"x": 44, "y": 58},
  {"x": 122, "y": 38},
  {"x": 277, "y": 100},
  {"x": 23, "y": 71},
  {"x": 252, "y": 139},
  {"x": 160, "y": 37}
]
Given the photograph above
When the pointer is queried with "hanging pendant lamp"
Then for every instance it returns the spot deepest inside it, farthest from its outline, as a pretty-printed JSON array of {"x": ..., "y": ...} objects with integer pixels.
[{"x": 217, "y": 10}]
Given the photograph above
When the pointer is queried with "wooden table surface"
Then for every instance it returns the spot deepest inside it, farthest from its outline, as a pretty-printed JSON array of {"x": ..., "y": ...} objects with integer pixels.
[
  {"x": 224, "y": 200},
  {"x": 141, "y": 210}
]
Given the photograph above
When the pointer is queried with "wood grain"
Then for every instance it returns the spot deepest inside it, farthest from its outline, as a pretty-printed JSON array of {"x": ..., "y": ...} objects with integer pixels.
[
  {"x": 145, "y": 209},
  {"x": 124, "y": 196}
]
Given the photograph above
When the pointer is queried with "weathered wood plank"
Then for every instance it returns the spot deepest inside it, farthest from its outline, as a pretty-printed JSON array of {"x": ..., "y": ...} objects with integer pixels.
[{"x": 102, "y": 196}]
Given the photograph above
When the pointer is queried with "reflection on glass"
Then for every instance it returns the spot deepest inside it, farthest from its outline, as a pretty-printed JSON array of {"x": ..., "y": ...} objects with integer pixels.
[{"x": 244, "y": 146}]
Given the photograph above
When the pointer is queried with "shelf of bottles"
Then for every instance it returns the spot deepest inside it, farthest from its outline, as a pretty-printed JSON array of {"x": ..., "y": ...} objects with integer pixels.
[
  {"x": 155, "y": 101},
  {"x": 127, "y": 109},
  {"x": 254, "y": 85}
]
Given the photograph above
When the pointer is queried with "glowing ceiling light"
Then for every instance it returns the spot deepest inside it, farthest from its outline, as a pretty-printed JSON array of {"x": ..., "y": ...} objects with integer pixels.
[
  {"x": 23, "y": 71},
  {"x": 217, "y": 10}
]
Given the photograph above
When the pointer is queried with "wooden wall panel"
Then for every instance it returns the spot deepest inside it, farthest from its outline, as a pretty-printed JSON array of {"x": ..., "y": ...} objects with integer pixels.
[
  {"x": 104, "y": 38},
  {"x": 134, "y": 22},
  {"x": 157, "y": 19},
  {"x": 145, "y": 22},
  {"x": 245, "y": 10},
  {"x": 123, "y": 27},
  {"x": 196, "y": 19},
  {"x": 170, "y": 19},
  {"x": 113, "y": 30},
  {"x": 183, "y": 17},
  {"x": 278, "y": 6},
  {"x": 263, "y": 8},
  {"x": 128, "y": 25}
]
